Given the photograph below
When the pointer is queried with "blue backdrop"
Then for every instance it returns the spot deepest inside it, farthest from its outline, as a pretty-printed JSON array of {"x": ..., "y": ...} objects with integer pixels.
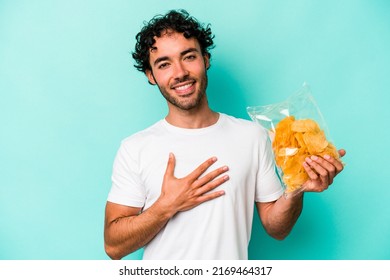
[{"x": 70, "y": 94}]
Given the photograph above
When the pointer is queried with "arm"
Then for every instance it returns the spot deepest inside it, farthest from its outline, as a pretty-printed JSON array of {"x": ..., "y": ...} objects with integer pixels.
[
  {"x": 126, "y": 229},
  {"x": 279, "y": 217}
]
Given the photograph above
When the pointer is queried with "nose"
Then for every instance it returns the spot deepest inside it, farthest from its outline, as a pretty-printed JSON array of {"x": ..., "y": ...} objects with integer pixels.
[{"x": 180, "y": 71}]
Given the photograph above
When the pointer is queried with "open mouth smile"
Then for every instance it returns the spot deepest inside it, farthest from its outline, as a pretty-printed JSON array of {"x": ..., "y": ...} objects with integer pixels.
[{"x": 184, "y": 88}]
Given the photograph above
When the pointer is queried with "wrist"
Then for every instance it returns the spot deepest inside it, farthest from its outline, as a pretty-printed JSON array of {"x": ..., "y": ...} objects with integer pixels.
[
  {"x": 164, "y": 208},
  {"x": 295, "y": 195}
]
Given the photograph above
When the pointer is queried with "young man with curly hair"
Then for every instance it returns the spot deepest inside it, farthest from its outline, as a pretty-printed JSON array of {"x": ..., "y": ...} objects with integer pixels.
[{"x": 185, "y": 188}]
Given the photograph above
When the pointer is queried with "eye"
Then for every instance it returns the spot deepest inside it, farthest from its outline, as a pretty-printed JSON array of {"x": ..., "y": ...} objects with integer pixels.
[
  {"x": 163, "y": 65},
  {"x": 190, "y": 57}
]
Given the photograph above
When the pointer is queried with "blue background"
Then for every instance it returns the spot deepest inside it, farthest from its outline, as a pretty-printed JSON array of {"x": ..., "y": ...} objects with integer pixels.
[{"x": 69, "y": 95}]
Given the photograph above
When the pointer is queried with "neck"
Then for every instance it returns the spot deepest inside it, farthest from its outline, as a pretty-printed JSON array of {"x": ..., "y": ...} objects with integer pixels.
[{"x": 192, "y": 119}]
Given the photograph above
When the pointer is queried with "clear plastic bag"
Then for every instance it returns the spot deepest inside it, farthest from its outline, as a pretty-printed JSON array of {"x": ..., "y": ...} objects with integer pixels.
[{"x": 297, "y": 130}]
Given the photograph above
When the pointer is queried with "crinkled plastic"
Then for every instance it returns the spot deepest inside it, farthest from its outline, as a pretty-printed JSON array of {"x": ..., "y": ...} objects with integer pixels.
[{"x": 297, "y": 130}]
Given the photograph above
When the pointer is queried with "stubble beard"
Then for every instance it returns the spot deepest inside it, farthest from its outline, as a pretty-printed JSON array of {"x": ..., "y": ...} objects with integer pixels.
[{"x": 181, "y": 102}]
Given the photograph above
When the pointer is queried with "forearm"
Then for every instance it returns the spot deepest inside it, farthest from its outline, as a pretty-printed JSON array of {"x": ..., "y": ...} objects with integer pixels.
[
  {"x": 127, "y": 234},
  {"x": 280, "y": 217}
]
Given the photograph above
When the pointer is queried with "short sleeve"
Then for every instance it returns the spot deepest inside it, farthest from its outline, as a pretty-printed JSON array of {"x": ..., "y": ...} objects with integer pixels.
[
  {"x": 269, "y": 187},
  {"x": 127, "y": 188}
]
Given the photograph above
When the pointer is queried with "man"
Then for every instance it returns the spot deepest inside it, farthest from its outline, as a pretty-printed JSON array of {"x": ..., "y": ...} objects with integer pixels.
[{"x": 185, "y": 188}]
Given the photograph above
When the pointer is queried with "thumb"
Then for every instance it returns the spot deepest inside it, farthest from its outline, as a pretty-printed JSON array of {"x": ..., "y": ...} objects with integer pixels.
[
  {"x": 342, "y": 152},
  {"x": 170, "y": 165}
]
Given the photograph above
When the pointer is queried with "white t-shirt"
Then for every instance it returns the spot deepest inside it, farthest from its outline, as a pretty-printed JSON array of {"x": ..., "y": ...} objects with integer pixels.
[{"x": 217, "y": 229}]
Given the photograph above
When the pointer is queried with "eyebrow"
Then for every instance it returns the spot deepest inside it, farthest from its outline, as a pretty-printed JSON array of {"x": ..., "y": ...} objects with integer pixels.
[{"x": 183, "y": 53}]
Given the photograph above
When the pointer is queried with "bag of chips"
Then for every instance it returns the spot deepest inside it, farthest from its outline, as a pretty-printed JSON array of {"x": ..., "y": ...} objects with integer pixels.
[{"x": 297, "y": 130}]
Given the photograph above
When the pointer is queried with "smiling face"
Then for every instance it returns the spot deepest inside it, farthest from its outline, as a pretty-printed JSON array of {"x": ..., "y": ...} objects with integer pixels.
[{"x": 178, "y": 68}]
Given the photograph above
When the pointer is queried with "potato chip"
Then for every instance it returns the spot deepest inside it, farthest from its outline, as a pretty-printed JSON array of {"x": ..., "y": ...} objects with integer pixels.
[
  {"x": 296, "y": 181},
  {"x": 315, "y": 142},
  {"x": 330, "y": 150},
  {"x": 305, "y": 125},
  {"x": 299, "y": 138},
  {"x": 287, "y": 152},
  {"x": 294, "y": 141}
]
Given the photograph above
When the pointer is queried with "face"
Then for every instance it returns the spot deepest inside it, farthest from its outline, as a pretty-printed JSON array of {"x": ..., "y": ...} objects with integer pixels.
[{"x": 179, "y": 70}]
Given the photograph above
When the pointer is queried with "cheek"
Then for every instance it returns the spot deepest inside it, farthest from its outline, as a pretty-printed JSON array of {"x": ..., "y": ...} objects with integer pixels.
[{"x": 161, "y": 78}]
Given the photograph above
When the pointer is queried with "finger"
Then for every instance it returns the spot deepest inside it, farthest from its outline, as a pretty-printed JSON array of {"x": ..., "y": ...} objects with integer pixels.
[
  {"x": 194, "y": 175},
  {"x": 210, "y": 176},
  {"x": 209, "y": 196},
  {"x": 312, "y": 175},
  {"x": 169, "y": 172},
  {"x": 326, "y": 164},
  {"x": 339, "y": 166},
  {"x": 320, "y": 169},
  {"x": 211, "y": 185}
]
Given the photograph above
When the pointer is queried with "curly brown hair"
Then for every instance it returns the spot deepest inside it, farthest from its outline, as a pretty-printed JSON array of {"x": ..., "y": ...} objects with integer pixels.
[{"x": 176, "y": 20}]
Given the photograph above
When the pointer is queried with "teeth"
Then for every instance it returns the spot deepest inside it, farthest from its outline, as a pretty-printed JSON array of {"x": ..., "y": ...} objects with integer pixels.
[{"x": 184, "y": 87}]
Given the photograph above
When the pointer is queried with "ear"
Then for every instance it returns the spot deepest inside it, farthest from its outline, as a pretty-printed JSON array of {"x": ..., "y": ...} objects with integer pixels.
[
  {"x": 149, "y": 75},
  {"x": 206, "y": 59}
]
